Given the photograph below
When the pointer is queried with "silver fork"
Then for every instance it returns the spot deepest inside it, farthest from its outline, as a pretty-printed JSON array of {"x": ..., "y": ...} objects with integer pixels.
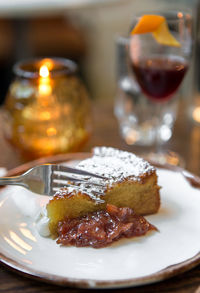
[{"x": 48, "y": 178}]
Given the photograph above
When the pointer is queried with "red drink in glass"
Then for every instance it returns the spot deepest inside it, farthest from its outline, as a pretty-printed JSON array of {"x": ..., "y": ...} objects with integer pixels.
[{"x": 160, "y": 76}]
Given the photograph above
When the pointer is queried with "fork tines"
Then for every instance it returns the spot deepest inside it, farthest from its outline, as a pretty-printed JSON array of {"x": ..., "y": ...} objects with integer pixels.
[
  {"x": 57, "y": 186},
  {"x": 66, "y": 169},
  {"x": 60, "y": 178},
  {"x": 57, "y": 177}
]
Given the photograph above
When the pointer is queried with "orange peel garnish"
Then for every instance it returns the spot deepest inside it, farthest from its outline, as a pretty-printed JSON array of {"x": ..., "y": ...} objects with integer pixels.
[
  {"x": 164, "y": 37},
  {"x": 147, "y": 24},
  {"x": 157, "y": 25}
]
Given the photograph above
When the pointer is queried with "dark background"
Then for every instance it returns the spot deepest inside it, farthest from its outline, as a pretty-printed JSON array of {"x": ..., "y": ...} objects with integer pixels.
[{"x": 37, "y": 37}]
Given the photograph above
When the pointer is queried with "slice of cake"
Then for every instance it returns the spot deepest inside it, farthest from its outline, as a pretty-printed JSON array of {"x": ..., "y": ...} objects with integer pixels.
[{"x": 132, "y": 183}]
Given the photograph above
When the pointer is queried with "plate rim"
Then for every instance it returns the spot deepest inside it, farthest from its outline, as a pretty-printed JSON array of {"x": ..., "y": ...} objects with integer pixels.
[{"x": 161, "y": 275}]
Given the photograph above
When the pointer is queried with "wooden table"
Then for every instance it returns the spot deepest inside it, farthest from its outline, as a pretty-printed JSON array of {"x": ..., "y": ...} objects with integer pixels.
[{"x": 186, "y": 141}]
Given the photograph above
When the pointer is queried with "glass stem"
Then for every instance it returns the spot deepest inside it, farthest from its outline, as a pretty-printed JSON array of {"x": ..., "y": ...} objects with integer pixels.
[{"x": 157, "y": 144}]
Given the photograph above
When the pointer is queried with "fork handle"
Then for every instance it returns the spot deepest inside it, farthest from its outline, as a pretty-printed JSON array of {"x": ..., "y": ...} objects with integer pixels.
[{"x": 17, "y": 180}]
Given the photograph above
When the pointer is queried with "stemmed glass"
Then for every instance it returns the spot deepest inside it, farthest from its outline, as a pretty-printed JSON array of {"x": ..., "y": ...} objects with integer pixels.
[{"x": 159, "y": 69}]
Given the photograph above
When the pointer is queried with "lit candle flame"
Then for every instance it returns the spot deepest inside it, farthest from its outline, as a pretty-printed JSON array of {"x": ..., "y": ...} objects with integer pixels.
[
  {"x": 44, "y": 82},
  {"x": 44, "y": 71}
]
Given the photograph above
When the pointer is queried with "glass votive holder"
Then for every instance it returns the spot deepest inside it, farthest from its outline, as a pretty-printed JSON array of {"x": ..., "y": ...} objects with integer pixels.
[{"x": 47, "y": 109}]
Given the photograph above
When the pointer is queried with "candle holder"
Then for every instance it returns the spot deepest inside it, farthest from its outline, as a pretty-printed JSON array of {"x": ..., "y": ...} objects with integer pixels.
[{"x": 47, "y": 108}]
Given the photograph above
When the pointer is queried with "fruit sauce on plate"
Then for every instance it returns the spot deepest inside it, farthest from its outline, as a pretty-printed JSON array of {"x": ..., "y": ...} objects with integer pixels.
[{"x": 101, "y": 228}]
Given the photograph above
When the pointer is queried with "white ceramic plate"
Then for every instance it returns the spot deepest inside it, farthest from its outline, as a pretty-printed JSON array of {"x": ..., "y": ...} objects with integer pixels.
[{"x": 154, "y": 257}]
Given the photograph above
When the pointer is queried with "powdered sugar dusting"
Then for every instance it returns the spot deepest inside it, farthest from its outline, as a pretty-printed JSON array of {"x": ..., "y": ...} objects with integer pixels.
[
  {"x": 113, "y": 164},
  {"x": 121, "y": 164}
]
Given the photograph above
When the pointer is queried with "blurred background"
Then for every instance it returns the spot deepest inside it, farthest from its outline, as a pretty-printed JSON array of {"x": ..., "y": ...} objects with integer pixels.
[{"x": 82, "y": 30}]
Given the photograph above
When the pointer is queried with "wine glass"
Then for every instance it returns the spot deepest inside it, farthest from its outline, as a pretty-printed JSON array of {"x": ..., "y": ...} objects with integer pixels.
[{"x": 160, "y": 69}]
